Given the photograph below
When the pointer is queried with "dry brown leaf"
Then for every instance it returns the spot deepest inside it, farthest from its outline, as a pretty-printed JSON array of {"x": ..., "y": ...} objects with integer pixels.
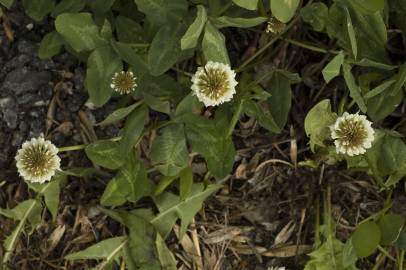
[
  {"x": 56, "y": 237},
  {"x": 284, "y": 235}
]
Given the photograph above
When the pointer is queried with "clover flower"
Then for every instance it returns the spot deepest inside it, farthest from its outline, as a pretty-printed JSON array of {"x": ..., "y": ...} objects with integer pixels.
[
  {"x": 214, "y": 83},
  {"x": 275, "y": 26},
  {"x": 352, "y": 134},
  {"x": 123, "y": 82},
  {"x": 276, "y": 268},
  {"x": 37, "y": 160}
]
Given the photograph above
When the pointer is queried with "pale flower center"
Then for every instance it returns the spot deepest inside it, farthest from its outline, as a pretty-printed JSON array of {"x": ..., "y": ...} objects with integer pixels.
[
  {"x": 352, "y": 132},
  {"x": 37, "y": 160},
  {"x": 214, "y": 83},
  {"x": 124, "y": 82}
]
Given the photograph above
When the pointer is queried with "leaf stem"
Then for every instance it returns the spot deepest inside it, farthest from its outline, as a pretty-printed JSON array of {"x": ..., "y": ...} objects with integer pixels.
[
  {"x": 385, "y": 252},
  {"x": 272, "y": 41},
  {"x": 82, "y": 146},
  {"x": 310, "y": 47}
]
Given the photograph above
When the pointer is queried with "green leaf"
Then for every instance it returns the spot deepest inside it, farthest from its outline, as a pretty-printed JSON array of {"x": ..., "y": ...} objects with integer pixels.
[
  {"x": 165, "y": 48},
  {"x": 165, "y": 256},
  {"x": 186, "y": 182},
  {"x": 214, "y": 45},
  {"x": 333, "y": 68},
  {"x": 164, "y": 182},
  {"x": 225, "y": 21},
  {"x": 106, "y": 249},
  {"x": 52, "y": 192},
  {"x": 50, "y": 45},
  {"x": 391, "y": 226},
  {"x": 261, "y": 112},
  {"x": 79, "y": 31},
  {"x": 349, "y": 255},
  {"x": 387, "y": 154},
  {"x": 371, "y": 63},
  {"x": 281, "y": 98},
  {"x": 355, "y": 90},
  {"x": 27, "y": 210},
  {"x": 38, "y": 9},
  {"x": 140, "y": 251},
  {"x": 172, "y": 208},
  {"x": 119, "y": 114},
  {"x": 68, "y": 6},
  {"x": 7, "y": 3},
  {"x": 317, "y": 123},
  {"x": 247, "y": 4},
  {"x": 351, "y": 34},
  {"x": 209, "y": 138},
  {"x": 130, "y": 184},
  {"x": 163, "y": 12},
  {"x": 401, "y": 242},
  {"x": 369, "y": 6},
  {"x": 101, "y": 66},
  {"x": 315, "y": 14},
  {"x": 169, "y": 152},
  {"x": 379, "y": 89},
  {"x": 101, "y": 6},
  {"x": 128, "y": 30},
  {"x": 365, "y": 239},
  {"x": 105, "y": 153},
  {"x": 191, "y": 37},
  {"x": 284, "y": 10},
  {"x": 400, "y": 80},
  {"x": 133, "y": 129},
  {"x": 131, "y": 53}
]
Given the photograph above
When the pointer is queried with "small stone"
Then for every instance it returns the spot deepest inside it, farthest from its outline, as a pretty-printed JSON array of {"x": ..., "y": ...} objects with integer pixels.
[
  {"x": 24, "y": 80},
  {"x": 27, "y": 47},
  {"x": 10, "y": 116},
  {"x": 29, "y": 26},
  {"x": 17, "y": 139}
]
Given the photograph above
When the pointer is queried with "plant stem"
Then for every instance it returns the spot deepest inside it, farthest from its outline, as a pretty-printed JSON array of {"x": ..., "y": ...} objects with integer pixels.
[
  {"x": 272, "y": 41},
  {"x": 82, "y": 146},
  {"x": 309, "y": 46},
  {"x": 401, "y": 258},
  {"x": 381, "y": 249}
]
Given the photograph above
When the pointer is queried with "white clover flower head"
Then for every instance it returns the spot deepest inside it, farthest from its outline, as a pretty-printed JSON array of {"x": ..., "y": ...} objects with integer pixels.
[
  {"x": 37, "y": 160},
  {"x": 352, "y": 134},
  {"x": 276, "y": 268},
  {"x": 214, "y": 83},
  {"x": 123, "y": 82}
]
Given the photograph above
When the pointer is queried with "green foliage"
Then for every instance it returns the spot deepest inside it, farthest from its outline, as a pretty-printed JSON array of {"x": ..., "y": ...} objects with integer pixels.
[
  {"x": 284, "y": 10},
  {"x": 191, "y": 37},
  {"x": 79, "y": 31},
  {"x": 366, "y": 239},
  {"x": 50, "y": 45},
  {"x": 318, "y": 122},
  {"x": 333, "y": 68},
  {"x": 105, "y": 153},
  {"x": 214, "y": 45},
  {"x": 391, "y": 226},
  {"x": 315, "y": 14},
  {"x": 37, "y": 9},
  {"x": 106, "y": 249},
  {"x": 103, "y": 62},
  {"x": 247, "y": 4},
  {"x": 169, "y": 152},
  {"x": 130, "y": 184},
  {"x": 172, "y": 208}
]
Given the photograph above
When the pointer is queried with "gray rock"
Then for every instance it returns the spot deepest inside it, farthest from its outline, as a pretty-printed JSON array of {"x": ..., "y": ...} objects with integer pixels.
[
  {"x": 17, "y": 62},
  {"x": 6, "y": 103},
  {"x": 27, "y": 47},
  {"x": 24, "y": 80},
  {"x": 10, "y": 116},
  {"x": 17, "y": 139}
]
